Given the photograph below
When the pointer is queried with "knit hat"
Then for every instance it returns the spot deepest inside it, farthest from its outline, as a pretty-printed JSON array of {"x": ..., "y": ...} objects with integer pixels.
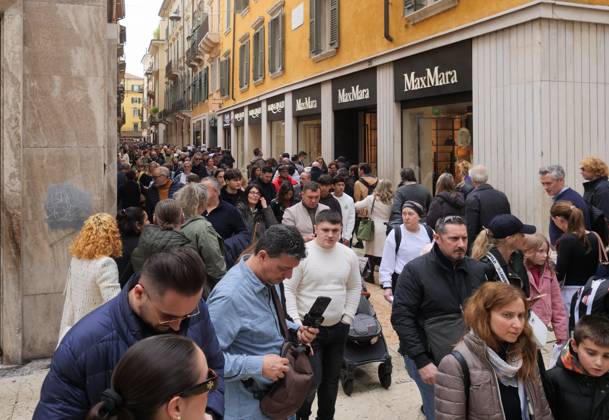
[{"x": 414, "y": 206}]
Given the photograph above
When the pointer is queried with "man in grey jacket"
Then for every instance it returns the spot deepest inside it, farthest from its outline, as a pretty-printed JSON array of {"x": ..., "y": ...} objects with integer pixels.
[{"x": 302, "y": 215}]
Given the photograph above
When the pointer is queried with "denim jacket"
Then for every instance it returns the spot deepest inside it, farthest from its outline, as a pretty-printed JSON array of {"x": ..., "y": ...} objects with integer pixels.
[{"x": 242, "y": 312}]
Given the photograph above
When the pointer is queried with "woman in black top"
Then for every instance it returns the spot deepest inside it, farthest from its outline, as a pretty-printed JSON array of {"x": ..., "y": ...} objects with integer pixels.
[
  {"x": 578, "y": 249},
  {"x": 284, "y": 199},
  {"x": 130, "y": 221}
]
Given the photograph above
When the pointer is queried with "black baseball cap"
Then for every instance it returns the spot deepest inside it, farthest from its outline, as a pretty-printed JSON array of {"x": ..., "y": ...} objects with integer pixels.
[{"x": 505, "y": 225}]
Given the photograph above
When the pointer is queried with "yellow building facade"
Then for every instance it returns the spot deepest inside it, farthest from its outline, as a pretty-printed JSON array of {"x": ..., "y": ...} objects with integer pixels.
[
  {"x": 133, "y": 102},
  {"x": 426, "y": 84}
]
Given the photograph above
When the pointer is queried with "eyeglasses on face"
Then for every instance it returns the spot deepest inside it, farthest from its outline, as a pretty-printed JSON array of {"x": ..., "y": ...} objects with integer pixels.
[
  {"x": 166, "y": 319},
  {"x": 208, "y": 385}
]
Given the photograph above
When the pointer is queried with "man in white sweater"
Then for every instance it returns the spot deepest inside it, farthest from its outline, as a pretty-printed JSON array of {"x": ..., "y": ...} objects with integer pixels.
[
  {"x": 330, "y": 269},
  {"x": 347, "y": 207}
]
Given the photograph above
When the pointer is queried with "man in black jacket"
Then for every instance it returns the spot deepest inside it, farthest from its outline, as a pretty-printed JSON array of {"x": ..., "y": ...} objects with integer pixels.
[
  {"x": 483, "y": 203},
  {"x": 409, "y": 190},
  {"x": 433, "y": 285}
]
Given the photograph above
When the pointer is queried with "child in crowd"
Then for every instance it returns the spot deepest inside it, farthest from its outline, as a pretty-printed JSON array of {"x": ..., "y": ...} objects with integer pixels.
[
  {"x": 545, "y": 290},
  {"x": 578, "y": 387}
]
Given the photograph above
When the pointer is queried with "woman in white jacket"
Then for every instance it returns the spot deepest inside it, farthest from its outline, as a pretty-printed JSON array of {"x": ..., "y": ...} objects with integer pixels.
[{"x": 93, "y": 274}]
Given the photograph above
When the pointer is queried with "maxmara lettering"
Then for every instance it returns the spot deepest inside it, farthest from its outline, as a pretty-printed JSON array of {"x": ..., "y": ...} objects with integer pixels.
[
  {"x": 276, "y": 107},
  {"x": 355, "y": 94},
  {"x": 254, "y": 112},
  {"x": 431, "y": 78},
  {"x": 306, "y": 103},
  {"x": 239, "y": 116}
]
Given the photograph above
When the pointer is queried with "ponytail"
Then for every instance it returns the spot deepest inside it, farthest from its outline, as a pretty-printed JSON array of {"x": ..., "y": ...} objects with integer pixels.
[
  {"x": 483, "y": 243},
  {"x": 574, "y": 217},
  {"x": 111, "y": 407}
]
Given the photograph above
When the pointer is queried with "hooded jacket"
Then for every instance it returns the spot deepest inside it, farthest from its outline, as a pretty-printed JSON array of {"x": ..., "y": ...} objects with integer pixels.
[
  {"x": 445, "y": 204},
  {"x": 154, "y": 240},
  {"x": 572, "y": 393},
  {"x": 209, "y": 244},
  {"x": 484, "y": 394}
]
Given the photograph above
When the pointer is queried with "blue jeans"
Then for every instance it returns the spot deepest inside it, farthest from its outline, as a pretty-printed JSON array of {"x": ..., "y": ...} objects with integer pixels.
[{"x": 426, "y": 390}]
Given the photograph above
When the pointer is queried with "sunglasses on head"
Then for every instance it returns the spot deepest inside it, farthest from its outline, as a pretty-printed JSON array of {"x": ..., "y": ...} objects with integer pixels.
[{"x": 207, "y": 385}]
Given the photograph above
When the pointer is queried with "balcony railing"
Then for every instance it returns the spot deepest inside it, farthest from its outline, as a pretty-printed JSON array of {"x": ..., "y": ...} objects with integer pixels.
[
  {"x": 208, "y": 40},
  {"x": 170, "y": 71}
]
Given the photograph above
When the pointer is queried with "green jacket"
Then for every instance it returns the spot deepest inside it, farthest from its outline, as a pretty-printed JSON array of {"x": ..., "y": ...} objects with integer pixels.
[
  {"x": 209, "y": 244},
  {"x": 154, "y": 240}
]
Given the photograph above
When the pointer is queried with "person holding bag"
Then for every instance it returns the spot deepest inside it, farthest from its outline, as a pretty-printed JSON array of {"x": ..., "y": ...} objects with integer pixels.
[
  {"x": 377, "y": 209},
  {"x": 579, "y": 251},
  {"x": 247, "y": 313},
  {"x": 493, "y": 372}
]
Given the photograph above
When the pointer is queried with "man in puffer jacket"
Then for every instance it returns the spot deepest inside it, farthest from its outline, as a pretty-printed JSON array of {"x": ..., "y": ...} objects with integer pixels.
[{"x": 165, "y": 298}]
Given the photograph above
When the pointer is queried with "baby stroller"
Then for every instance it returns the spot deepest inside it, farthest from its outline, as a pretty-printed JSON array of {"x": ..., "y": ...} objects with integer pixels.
[{"x": 365, "y": 344}]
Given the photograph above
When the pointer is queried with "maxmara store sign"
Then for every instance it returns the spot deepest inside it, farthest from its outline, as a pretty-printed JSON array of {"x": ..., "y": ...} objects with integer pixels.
[
  {"x": 307, "y": 101},
  {"x": 275, "y": 108},
  {"x": 354, "y": 90},
  {"x": 441, "y": 71}
]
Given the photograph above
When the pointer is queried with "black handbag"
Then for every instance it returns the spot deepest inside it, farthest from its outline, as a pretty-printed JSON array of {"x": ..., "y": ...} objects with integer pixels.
[{"x": 443, "y": 333}]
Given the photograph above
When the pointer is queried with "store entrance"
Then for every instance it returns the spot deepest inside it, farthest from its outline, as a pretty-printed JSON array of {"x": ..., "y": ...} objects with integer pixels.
[
  {"x": 356, "y": 141},
  {"x": 436, "y": 139}
]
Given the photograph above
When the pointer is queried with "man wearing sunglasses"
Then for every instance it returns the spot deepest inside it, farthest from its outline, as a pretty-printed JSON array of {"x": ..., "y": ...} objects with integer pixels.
[
  {"x": 242, "y": 309},
  {"x": 164, "y": 298}
]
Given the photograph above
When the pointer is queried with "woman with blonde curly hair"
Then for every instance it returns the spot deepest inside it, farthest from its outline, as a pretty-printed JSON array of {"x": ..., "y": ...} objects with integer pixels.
[
  {"x": 596, "y": 189},
  {"x": 492, "y": 373},
  {"x": 377, "y": 206},
  {"x": 93, "y": 273}
]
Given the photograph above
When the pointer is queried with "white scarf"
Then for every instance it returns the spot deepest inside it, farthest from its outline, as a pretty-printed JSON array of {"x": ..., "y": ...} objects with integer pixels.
[{"x": 507, "y": 374}]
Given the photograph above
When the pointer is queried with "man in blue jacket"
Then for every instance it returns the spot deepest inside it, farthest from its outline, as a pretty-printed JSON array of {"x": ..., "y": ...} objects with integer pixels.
[
  {"x": 164, "y": 298},
  {"x": 552, "y": 179}
]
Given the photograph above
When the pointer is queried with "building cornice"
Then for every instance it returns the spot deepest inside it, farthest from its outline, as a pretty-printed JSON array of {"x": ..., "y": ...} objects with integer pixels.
[{"x": 539, "y": 9}]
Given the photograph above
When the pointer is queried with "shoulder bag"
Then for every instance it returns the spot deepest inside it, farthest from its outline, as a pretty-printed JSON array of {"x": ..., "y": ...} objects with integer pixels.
[
  {"x": 288, "y": 394},
  {"x": 365, "y": 230}
]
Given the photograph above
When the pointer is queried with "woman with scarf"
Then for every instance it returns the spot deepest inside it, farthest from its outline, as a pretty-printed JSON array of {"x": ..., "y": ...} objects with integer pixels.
[{"x": 497, "y": 359}]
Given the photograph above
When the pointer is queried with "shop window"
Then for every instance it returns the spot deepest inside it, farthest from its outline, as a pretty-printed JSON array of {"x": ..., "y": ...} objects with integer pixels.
[
  {"x": 225, "y": 76},
  {"x": 276, "y": 43},
  {"x": 244, "y": 63},
  {"x": 258, "y": 59},
  {"x": 324, "y": 27},
  {"x": 417, "y": 10}
]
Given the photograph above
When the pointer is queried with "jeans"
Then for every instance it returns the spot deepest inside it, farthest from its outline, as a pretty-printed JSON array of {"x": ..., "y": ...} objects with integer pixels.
[
  {"x": 426, "y": 390},
  {"x": 329, "y": 347}
]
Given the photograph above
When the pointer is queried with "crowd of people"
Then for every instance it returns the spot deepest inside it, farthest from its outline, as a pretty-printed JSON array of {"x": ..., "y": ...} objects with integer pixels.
[{"x": 180, "y": 307}]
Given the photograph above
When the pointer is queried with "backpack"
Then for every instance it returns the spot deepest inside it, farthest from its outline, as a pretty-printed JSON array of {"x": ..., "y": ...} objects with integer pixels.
[
  {"x": 398, "y": 235},
  {"x": 591, "y": 298},
  {"x": 369, "y": 186}
]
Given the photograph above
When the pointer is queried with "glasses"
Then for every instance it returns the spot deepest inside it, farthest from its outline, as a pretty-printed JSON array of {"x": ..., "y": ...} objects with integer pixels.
[
  {"x": 255, "y": 193},
  {"x": 210, "y": 384},
  {"x": 453, "y": 219},
  {"x": 168, "y": 319}
]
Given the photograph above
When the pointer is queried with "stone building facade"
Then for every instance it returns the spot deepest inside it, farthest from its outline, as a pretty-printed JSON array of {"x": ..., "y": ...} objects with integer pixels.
[{"x": 58, "y": 134}]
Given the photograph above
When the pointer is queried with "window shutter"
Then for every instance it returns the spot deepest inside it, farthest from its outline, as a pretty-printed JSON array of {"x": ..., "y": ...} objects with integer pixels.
[
  {"x": 272, "y": 30},
  {"x": 229, "y": 84},
  {"x": 206, "y": 84},
  {"x": 314, "y": 41},
  {"x": 261, "y": 53},
  {"x": 334, "y": 23},
  {"x": 241, "y": 60},
  {"x": 246, "y": 70},
  {"x": 222, "y": 79},
  {"x": 280, "y": 41},
  {"x": 256, "y": 46}
]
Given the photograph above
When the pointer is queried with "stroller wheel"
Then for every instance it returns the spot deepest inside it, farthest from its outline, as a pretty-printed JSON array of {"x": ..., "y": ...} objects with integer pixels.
[
  {"x": 347, "y": 386},
  {"x": 385, "y": 375}
]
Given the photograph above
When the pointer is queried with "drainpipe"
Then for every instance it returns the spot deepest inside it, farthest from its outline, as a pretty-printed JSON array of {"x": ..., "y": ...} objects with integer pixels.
[
  {"x": 232, "y": 84},
  {"x": 386, "y": 20}
]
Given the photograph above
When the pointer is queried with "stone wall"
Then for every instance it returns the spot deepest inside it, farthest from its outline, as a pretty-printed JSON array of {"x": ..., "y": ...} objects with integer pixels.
[{"x": 58, "y": 160}]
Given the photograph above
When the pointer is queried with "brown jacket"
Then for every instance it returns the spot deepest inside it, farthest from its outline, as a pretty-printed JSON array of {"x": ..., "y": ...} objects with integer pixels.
[{"x": 484, "y": 398}]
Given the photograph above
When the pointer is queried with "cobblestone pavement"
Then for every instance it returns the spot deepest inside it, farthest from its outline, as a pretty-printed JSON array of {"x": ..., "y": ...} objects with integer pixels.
[{"x": 20, "y": 388}]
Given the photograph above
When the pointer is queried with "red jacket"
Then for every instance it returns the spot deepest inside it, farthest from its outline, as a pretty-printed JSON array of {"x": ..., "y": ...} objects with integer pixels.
[
  {"x": 550, "y": 308},
  {"x": 278, "y": 181}
]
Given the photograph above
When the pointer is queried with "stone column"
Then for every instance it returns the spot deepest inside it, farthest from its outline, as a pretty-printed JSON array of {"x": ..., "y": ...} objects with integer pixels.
[
  {"x": 327, "y": 122},
  {"x": 389, "y": 150},
  {"x": 265, "y": 133},
  {"x": 220, "y": 131},
  {"x": 291, "y": 126}
]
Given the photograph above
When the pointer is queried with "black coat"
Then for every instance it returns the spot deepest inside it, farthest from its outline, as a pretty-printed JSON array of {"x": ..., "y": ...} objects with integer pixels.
[
  {"x": 267, "y": 190},
  {"x": 125, "y": 269},
  {"x": 596, "y": 193},
  {"x": 445, "y": 204},
  {"x": 129, "y": 195},
  {"x": 413, "y": 192},
  {"x": 481, "y": 206},
  {"x": 430, "y": 286},
  {"x": 515, "y": 271},
  {"x": 575, "y": 396}
]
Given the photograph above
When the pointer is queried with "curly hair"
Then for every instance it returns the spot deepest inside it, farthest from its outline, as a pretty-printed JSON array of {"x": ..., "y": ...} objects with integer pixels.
[
  {"x": 384, "y": 191},
  {"x": 99, "y": 237},
  {"x": 594, "y": 165},
  {"x": 477, "y": 315}
]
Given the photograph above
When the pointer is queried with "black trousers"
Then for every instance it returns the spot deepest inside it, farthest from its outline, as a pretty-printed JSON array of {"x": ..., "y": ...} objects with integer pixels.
[{"x": 329, "y": 347}]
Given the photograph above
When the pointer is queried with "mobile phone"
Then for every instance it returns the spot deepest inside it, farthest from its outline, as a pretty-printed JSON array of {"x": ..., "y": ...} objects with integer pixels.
[{"x": 314, "y": 317}]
